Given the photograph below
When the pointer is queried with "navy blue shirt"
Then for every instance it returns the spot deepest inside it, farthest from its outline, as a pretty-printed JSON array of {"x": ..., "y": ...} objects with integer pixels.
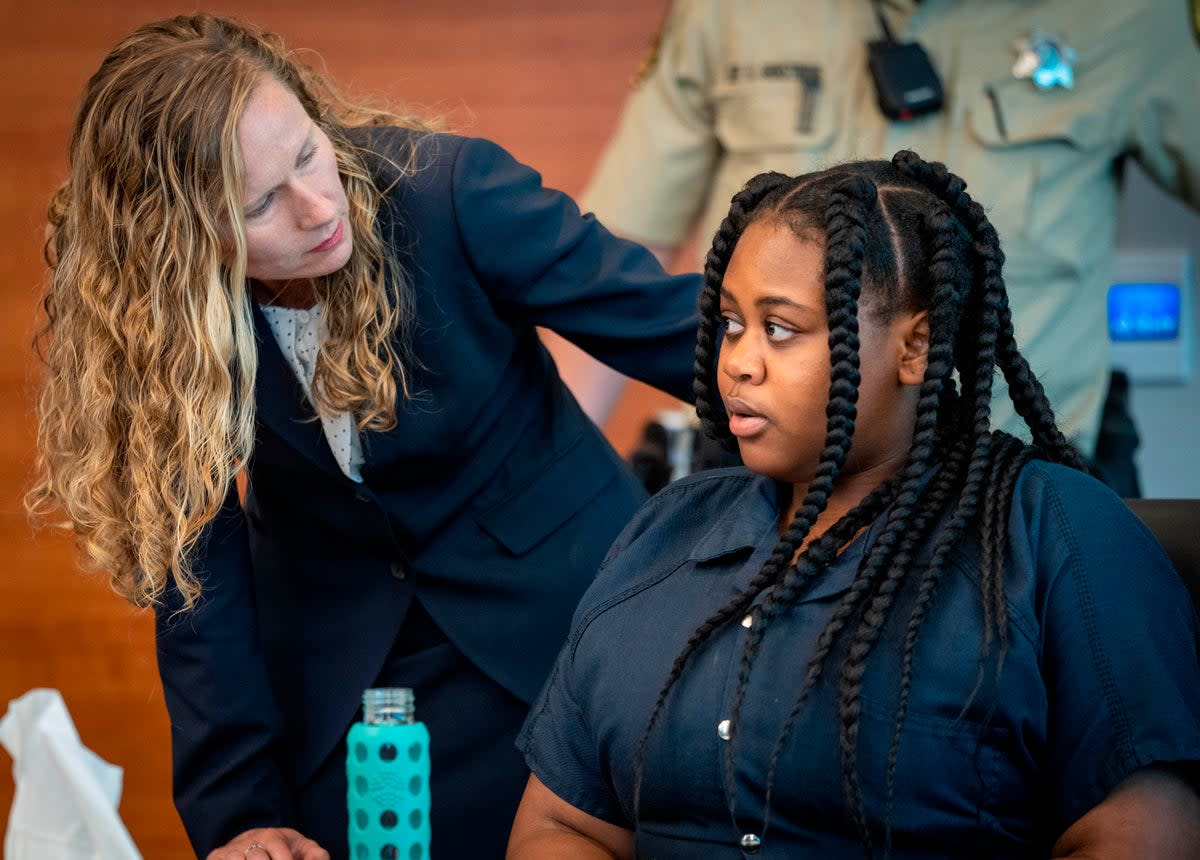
[{"x": 1101, "y": 678}]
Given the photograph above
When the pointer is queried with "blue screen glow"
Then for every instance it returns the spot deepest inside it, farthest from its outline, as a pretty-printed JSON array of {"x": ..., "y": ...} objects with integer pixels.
[{"x": 1143, "y": 312}]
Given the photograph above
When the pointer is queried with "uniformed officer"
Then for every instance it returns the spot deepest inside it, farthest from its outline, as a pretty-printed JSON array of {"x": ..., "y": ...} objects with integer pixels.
[{"x": 1042, "y": 103}]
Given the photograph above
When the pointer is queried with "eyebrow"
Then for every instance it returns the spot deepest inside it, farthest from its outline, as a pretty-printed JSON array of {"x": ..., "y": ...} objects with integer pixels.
[
  {"x": 304, "y": 147},
  {"x": 773, "y": 302}
]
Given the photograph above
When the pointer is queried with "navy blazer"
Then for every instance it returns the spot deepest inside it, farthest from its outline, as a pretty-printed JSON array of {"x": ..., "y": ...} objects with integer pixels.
[{"x": 492, "y": 501}]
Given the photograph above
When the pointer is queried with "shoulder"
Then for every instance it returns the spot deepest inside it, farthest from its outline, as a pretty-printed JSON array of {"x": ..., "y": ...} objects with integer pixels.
[
  {"x": 1078, "y": 536},
  {"x": 1174, "y": 17},
  {"x": 1052, "y": 502},
  {"x": 391, "y": 152},
  {"x": 1059, "y": 494},
  {"x": 473, "y": 172},
  {"x": 428, "y": 178},
  {"x": 703, "y": 18},
  {"x": 1158, "y": 42}
]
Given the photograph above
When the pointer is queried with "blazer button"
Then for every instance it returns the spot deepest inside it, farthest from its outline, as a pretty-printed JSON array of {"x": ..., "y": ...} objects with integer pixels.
[{"x": 399, "y": 571}]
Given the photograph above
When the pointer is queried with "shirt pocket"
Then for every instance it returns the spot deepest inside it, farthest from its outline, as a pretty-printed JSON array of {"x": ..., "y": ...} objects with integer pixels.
[
  {"x": 1013, "y": 113},
  {"x": 953, "y": 774},
  {"x": 757, "y": 121},
  {"x": 1032, "y": 148}
]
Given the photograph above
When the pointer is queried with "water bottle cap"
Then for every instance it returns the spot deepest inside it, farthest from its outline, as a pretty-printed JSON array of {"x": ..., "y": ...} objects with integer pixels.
[{"x": 388, "y": 705}]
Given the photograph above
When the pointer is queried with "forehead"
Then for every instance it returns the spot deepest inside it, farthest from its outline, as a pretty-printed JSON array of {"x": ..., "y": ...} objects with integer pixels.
[
  {"x": 770, "y": 259},
  {"x": 272, "y": 130}
]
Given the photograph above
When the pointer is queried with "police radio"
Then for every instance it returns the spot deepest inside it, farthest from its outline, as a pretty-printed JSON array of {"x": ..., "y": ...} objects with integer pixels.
[{"x": 906, "y": 84}]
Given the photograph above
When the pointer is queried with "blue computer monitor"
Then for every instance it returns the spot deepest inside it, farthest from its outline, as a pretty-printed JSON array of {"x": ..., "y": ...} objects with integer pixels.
[{"x": 1144, "y": 312}]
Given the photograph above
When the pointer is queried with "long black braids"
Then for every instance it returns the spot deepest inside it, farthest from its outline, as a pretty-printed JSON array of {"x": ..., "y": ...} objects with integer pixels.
[
  {"x": 980, "y": 330},
  {"x": 904, "y": 529},
  {"x": 730, "y": 230},
  {"x": 846, "y": 226},
  {"x": 851, "y": 203},
  {"x": 996, "y": 458},
  {"x": 1026, "y": 390},
  {"x": 889, "y": 552},
  {"x": 903, "y": 505},
  {"x": 910, "y": 233}
]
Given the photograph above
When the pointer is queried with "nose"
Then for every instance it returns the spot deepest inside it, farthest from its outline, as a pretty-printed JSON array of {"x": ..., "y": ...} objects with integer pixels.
[
  {"x": 741, "y": 360},
  {"x": 313, "y": 208}
]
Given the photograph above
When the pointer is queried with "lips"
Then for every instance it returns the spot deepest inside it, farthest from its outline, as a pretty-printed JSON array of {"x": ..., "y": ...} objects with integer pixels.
[
  {"x": 744, "y": 419},
  {"x": 334, "y": 239}
]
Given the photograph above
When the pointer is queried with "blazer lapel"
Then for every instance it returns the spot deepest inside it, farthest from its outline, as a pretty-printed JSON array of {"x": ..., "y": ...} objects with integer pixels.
[{"x": 281, "y": 402}]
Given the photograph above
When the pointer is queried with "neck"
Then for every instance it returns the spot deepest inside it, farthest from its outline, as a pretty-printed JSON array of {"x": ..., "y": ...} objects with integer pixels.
[
  {"x": 300, "y": 293},
  {"x": 849, "y": 489}
]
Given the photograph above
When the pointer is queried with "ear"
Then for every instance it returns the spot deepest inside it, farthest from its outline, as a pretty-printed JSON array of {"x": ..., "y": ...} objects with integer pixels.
[{"x": 914, "y": 347}]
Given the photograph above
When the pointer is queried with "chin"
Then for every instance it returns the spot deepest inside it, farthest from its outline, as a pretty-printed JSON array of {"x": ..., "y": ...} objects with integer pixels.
[
  {"x": 756, "y": 462},
  {"x": 336, "y": 265},
  {"x": 786, "y": 471}
]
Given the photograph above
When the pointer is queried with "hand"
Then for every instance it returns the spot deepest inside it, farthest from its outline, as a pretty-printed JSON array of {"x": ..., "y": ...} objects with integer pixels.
[{"x": 269, "y": 843}]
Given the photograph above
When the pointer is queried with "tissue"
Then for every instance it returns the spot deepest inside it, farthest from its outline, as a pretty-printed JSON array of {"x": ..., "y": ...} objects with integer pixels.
[{"x": 65, "y": 804}]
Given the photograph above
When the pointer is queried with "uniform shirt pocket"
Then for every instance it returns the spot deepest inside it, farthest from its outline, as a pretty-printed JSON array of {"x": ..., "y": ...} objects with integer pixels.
[
  {"x": 1013, "y": 113},
  {"x": 1037, "y": 145},
  {"x": 1042, "y": 146},
  {"x": 791, "y": 111}
]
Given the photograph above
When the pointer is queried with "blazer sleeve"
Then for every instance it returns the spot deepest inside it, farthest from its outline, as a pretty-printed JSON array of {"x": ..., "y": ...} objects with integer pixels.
[
  {"x": 226, "y": 728},
  {"x": 538, "y": 257}
]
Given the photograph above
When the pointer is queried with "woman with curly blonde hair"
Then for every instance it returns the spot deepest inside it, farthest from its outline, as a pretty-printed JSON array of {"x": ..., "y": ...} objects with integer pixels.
[{"x": 252, "y": 277}]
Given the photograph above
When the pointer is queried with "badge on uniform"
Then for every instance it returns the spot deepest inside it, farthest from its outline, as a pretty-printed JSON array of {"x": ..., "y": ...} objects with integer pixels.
[{"x": 1046, "y": 60}]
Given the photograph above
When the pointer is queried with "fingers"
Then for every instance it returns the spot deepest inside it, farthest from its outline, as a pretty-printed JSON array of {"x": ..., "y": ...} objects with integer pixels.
[{"x": 269, "y": 843}]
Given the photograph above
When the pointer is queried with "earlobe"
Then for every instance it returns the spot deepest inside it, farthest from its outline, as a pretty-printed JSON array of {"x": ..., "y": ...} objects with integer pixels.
[{"x": 914, "y": 357}]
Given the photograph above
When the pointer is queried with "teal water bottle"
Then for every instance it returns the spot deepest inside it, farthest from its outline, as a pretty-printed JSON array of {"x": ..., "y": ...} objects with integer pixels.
[{"x": 387, "y": 775}]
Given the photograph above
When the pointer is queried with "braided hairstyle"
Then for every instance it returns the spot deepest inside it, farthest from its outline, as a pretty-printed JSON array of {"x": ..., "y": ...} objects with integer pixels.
[{"x": 908, "y": 233}]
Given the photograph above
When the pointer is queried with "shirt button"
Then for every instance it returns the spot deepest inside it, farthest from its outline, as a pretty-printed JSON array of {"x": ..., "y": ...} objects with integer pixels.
[
  {"x": 724, "y": 730},
  {"x": 751, "y": 843},
  {"x": 399, "y": 571},
  {"x": 748, "y": 621},
  {"x": 302, "y": 317}
]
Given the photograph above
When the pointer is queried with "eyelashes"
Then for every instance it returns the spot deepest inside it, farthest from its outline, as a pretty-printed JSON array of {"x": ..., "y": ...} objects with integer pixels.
[
  {"x": 776, "y": 332},
  {"x": 303, "y": 161}
]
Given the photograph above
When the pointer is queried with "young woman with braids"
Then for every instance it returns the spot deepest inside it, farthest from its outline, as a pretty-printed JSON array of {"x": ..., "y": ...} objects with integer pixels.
[
  {"x": 897, "y": 632},
  {"x": 252, "y": 277}
]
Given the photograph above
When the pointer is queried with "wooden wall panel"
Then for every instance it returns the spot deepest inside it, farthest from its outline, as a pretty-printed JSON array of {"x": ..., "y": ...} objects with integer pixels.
[{"x": 543, "y": 77}]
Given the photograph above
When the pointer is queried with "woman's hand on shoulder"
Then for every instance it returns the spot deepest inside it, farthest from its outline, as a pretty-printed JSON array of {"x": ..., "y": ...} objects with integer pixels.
[
  {"x": 549, "y": 828},
  {"x": 269, "y": 843},
  {"x": 1154, "y": 814}
]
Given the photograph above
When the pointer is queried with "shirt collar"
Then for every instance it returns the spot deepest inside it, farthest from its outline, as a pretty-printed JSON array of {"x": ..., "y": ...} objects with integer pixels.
[
  {"x": 752, "y": 516},
  {"x": 752, "y": 525}
]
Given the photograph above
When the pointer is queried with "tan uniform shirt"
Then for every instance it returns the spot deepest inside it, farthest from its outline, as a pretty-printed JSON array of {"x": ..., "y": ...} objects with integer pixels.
[{"x": 743, "y": 86}]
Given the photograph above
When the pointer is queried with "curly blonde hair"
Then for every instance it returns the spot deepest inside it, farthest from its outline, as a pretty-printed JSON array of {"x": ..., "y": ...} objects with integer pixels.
[{"x": 146, "y": 412}]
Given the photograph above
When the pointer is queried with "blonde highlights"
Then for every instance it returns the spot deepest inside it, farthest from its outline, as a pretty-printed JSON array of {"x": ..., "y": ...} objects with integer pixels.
[{"x": 146, "y": 412}]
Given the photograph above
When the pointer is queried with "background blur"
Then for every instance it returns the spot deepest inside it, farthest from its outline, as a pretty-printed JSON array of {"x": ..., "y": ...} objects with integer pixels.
[{"x": 545, "y": 78}]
